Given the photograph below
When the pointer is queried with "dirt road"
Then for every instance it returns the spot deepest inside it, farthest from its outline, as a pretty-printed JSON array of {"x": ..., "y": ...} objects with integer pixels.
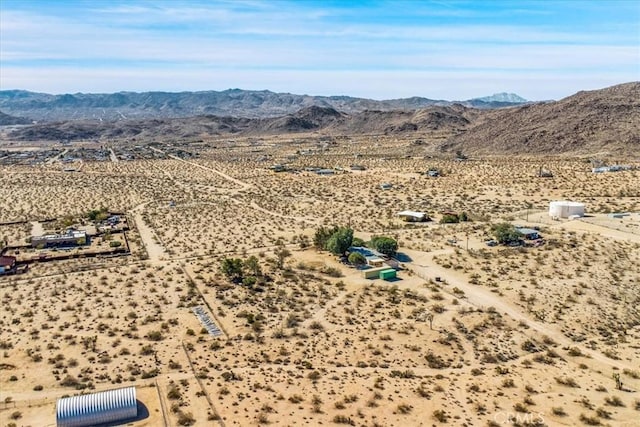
[
  {"x": 424, "y": 266},
  {"x": 152, "y": 245}
]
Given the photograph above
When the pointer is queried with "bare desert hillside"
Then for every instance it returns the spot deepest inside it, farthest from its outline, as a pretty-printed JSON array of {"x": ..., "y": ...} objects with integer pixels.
[{"x": 588, "y": 122}]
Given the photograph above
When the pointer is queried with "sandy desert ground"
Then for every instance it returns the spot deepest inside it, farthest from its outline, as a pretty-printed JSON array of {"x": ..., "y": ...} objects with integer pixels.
[{"x": 518, "y": 336}]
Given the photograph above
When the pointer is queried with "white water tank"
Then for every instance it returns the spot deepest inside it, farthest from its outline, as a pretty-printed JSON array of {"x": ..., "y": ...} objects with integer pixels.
[{"x": 565, "y": 209}]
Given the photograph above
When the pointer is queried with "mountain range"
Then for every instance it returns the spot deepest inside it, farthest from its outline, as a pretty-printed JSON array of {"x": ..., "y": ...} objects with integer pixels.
[
  {"x": 599, "y": 121},
  {"x": 233, "y": 102}
]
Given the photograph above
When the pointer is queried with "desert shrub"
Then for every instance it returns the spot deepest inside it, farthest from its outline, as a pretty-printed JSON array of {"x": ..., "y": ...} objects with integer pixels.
[
  {"x": 314, "y": 375},
  {"x": 408, "y": 374},
  {"x": 575, "y": 351},
  {"x": 449, "y": 219},
  {"x": 174, "y": 393},
  {"x": 423, "y": 391},
  {"x": 632, "y": 374},
  {"x": 440, "y": 415},
  {"x": 567, "y": 381},
  {"x": 331, "y": 271},
  {"x": 185, "y": 418},
  {"x": 508, "y": 382},
  {"x": 147, "y": 350},
  {"x": 149, "y": 374},
  {"x": 231, "y": 376},
  {"x": 296, "y": 398},
  {"x": 155, "y": 336},
  {"x": 316, "y": 326},
  {"x": 614, "y": 401},
  {"x": 591, "y": 421},
  {"x": 435, "y": 361},
  {"x": 70, "y": 381},
  {"x": 519, "y": 407},
  {"x": 558, "y": 411},
  {"x": 403, "y": 408},
  {"x": 343, "y": 419}
]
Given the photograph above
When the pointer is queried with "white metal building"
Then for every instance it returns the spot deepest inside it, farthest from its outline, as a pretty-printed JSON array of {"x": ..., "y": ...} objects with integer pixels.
[
  {"x": 97, "y": 408},
  {"x": 565, "y": 209},
  {"x": 413, "y": 216}
]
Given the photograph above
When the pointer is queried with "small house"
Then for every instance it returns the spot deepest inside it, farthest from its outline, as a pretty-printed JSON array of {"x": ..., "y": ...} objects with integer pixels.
[
  {"x": 325, "y": 172},
  {"x": 7, "y": 264},
  {"x": 69, "y": 238},
  {"x": 528, "y": 233},
  {"x": 413, "y": 216}
]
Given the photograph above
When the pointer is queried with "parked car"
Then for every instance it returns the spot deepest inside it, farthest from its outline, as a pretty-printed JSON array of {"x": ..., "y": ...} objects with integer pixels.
[{"x": 491, "y": 243}]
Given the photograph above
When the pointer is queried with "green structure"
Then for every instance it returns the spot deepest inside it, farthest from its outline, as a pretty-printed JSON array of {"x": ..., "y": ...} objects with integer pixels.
[
  {"x": 387, "y": 274},
  {"x": 373, "y": 273}
]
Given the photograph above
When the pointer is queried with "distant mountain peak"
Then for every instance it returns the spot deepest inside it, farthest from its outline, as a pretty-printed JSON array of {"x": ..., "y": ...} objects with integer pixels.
[{"x": 502, "y": 97}]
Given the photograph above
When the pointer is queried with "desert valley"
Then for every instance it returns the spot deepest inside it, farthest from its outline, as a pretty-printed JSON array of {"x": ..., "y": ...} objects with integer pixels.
[{"x": 341, "y": 263}]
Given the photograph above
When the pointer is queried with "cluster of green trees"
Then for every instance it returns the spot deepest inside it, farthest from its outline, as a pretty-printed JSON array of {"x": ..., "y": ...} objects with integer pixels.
[
  {"x": 454, "y": 218},
  {"x": 338, "y": 239},
  {"x": 506, "y": 233},
  {"x": 384, "y": 245},
  {"x": 246, "y": 271},
  {"x": 335, "y": 239},
  {"x": 98, "y": 214}
]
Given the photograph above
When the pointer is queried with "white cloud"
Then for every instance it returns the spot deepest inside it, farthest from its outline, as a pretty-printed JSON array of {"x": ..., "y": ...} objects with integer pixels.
[{"x": 245, "y": 43}]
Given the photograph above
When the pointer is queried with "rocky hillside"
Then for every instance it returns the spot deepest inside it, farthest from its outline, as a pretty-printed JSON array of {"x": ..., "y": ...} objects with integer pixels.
[
  {"x": 321, "y": 120},
  {"x": 606, "y": 120},
  {"x": 232, "y": 102},
  {"x": 587, "y": 122},
  {"x": 7, "y": 120}
]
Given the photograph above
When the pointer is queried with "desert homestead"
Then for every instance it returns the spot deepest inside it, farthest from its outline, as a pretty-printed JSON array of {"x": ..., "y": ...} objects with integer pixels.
[
  {"x": 413, "y": 216},
  {"x": 69, "y": 238},
  {"x": 373, "y": 257},
  {"x": 112, "y": 406},
  {"x": 7, "y": 265},
  {"x": 528, "y": 233},
  {"x": 566, "y": 209}
]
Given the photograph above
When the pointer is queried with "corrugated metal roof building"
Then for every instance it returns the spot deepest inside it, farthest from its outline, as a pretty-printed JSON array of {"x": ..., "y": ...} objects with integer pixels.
[{"x": 97, "y": 408}]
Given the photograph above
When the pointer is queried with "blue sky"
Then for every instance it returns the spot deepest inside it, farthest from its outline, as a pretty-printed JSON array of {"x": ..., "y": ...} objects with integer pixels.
[{"x": 377, "y": 49}]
